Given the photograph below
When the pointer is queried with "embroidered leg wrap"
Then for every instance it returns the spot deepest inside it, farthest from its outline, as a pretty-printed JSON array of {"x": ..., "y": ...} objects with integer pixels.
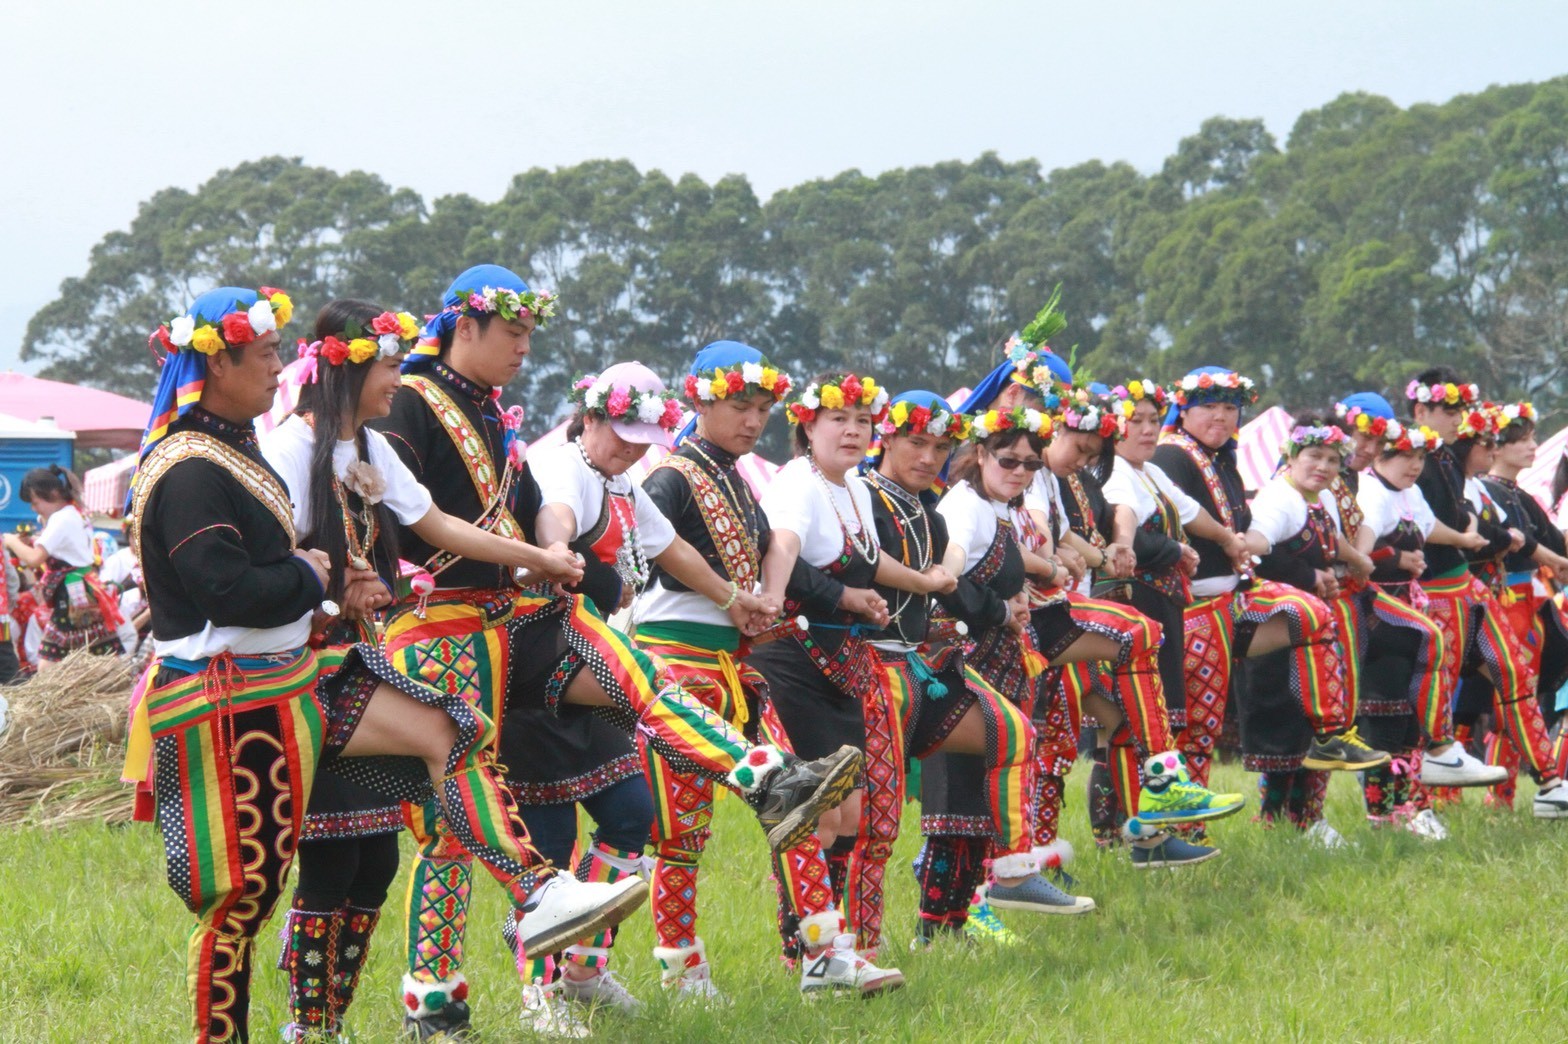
[
  {"x": 438, "y": 889},
  {"x": 1050, "y": 791},
  {"x": 805, "y": 887},
  {"x": 309, "y": 953},
  {"x": 231, "y": 791},
  {"x": 1209, "y": 636},
  {"x": 1378, "y": 790},
  {"x": 949, "y": 868},
  {"x": 1308, "y": 790},
  {"x": 1273, "y": 795},
  {"x": 1104, "y": 815},
  {"x": 1449, "y": 610},
  {"x": 866, "y": 865},
  {"x": 356, "y": 925},
  {"x": 1316, "y": 666}
]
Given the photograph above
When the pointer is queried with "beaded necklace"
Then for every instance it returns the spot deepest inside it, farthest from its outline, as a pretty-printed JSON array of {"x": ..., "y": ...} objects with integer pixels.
[
  {"x": 630, "y": 561},
  {"x": 914, "y": 532},
  {"x": 863, "y": 540}
]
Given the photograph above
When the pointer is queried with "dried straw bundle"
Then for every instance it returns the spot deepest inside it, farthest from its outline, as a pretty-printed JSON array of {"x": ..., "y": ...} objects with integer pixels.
[{"x": 60, "y": 758}]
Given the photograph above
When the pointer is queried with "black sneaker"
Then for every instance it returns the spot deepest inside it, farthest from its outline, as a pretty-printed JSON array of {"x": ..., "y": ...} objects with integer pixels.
[
  {"x": 791, "y": 800},
  {"x": 1345, "y": 752},
  {"x": 450, "y": 1023}
]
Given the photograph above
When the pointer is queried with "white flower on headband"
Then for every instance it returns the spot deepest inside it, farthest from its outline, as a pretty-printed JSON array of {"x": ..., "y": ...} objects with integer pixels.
[
  {"x": 594, "y": 398},
  {"x": 751, "y": 373},
  {"x": 650, "y": 408},
  {"x": 261, "y": 318},
  {"x": 389, "y": 345},
  {"x": 181, "y": 330},
  {"x": 810, "y": 399}
]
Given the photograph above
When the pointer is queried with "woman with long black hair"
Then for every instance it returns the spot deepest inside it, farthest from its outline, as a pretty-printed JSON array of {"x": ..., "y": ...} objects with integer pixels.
[{"x": 350, "y": 491}]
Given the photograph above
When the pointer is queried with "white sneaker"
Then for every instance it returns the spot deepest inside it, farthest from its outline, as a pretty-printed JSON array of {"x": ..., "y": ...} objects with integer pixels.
[
  {"x": 695, "y": 986},
  {"x": 1425, "y": 825},
  {"x": 1325, "y": 836},
  {"x": 603, "y": 990},
  {"x": 840, "y": 967},
  {"x": 1459, "y": 768},
  {"x": 547, "y": 1014},
  {"x": 1551, "y": 804},
  {"x": 564, "y": 909}
]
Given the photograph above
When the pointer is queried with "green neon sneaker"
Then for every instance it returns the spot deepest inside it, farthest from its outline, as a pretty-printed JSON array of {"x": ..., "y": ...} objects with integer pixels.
[
  {"x": 983, "y": 924},
  {"x": 1170, "y": 796}
]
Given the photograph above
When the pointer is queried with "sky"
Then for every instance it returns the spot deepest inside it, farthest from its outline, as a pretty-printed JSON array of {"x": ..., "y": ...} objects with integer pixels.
[{"x": 104, "y": 103}]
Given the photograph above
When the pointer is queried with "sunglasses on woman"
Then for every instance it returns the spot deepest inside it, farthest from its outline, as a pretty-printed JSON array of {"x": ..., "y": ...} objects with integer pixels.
[{"x": 1013, "y": 463}]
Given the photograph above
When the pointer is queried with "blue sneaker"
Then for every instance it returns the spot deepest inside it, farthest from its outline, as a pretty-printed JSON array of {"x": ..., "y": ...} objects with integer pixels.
[
  {"x": 1173, "y": 851},
  {"x": 1038, "y": 895},
  {"x": 982, "y": 924}
]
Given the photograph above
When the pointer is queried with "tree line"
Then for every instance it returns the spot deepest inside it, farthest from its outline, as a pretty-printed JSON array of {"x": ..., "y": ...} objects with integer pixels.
[{"x": 1373, "y": 241}]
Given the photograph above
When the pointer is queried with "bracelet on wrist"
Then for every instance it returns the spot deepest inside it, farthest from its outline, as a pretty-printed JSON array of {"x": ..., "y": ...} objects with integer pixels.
[{"x": 734, "y": 594}]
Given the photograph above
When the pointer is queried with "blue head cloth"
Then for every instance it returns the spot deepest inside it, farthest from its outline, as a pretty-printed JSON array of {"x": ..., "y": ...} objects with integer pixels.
[
  {"x": 182, "y": 376},
  {"x": 1173, "y": 414},
  {"x": 1370, "y": 403},
  {"x": 933, "y": 402},
  {"x": 720, "y": 355},
  {"x": 472, "y": 280},
  {"x": 1099, "y": 389},
  {"x": 992, "y": 385}
]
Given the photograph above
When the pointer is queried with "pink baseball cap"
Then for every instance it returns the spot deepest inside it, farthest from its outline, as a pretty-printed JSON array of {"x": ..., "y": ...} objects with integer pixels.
[{"x": 634, "y": 376}]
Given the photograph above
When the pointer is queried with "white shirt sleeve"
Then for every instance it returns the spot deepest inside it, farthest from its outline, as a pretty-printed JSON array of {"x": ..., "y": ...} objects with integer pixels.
[
  {"x": 287, "y": 449},
  {"x": 564, "y": 479},
  {"x": 66, "y": 536},
  {"x": 971, "y": 522},
  {"x": 1122, "y": 489},
  {"x": 790, "y": 499},
  {"x": 1278, "y": 512}
]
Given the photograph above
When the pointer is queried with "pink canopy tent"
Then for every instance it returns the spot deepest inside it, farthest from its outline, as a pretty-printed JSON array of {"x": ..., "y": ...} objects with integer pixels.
[
  {"x": 99, "y": 418},
  {"x": 1257, "y": 446}
]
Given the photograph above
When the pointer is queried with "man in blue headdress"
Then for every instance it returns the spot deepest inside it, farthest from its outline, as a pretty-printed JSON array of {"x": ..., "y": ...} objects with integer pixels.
[
  {"x": 732, "y": 389},
  {"x": 1226, "y": 621},
  {"x": 477, "y": 631}
]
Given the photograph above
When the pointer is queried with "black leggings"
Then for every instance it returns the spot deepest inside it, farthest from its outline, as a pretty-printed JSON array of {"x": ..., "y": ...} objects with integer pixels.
[{"x": 353, "y": 871}]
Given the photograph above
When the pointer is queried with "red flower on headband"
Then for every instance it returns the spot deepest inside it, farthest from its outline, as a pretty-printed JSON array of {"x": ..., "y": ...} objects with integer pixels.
[
  {"x": 735, "y": 381},
  {"x": 162, "y": 334},
  {"x": 386, "y": 323},
  {"x": 1205, "y": 380},
  {"x": 1378, "y": 427},
  {"x": 237, "y": 329},
  {"x": 335, "y": 351},
  {"x": 851, "y": 388},
  {"x": 919, "y": 417},
  {"x": 691, "y": 386}
]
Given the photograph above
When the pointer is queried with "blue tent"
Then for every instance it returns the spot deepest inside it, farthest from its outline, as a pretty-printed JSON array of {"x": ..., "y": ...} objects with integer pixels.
[{"x": 25, "y": 445}]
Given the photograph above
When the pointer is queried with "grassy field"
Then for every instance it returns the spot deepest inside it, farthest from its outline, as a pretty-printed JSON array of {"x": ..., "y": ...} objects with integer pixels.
[{"x": 1396, "y": 940}]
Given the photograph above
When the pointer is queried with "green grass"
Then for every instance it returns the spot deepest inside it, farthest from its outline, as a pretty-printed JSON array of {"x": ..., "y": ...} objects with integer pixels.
[{"x": 1396, "y": 940}]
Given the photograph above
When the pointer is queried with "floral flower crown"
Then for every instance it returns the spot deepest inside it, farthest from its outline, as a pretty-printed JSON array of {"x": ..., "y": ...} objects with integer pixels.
[
  {"x": 625, "y": 403},
  {"x": 1197, "y": 389},
  {"x": 1093, "y": 419},
  {"x": 1477, "y": 423},
  {"x": 1124, "y": 398},
  {"x": 1303, "y": 436},
  {"x": 271, "y": 310},
  {"x": 1403, "y": 438},
  {"x": 1361, "y": 420},
  {"x": 992, "y": 422},
  {"x": 1512, "y": 413},
  {"x": 393, "y": 332},
  {"x": 752, "y": 377},
  {"x": 508, "y": 304},
  {"x": 848, "y": 390},
  {"x": 916, "y": 420},
  {"x": 1443, "y": 394}
]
